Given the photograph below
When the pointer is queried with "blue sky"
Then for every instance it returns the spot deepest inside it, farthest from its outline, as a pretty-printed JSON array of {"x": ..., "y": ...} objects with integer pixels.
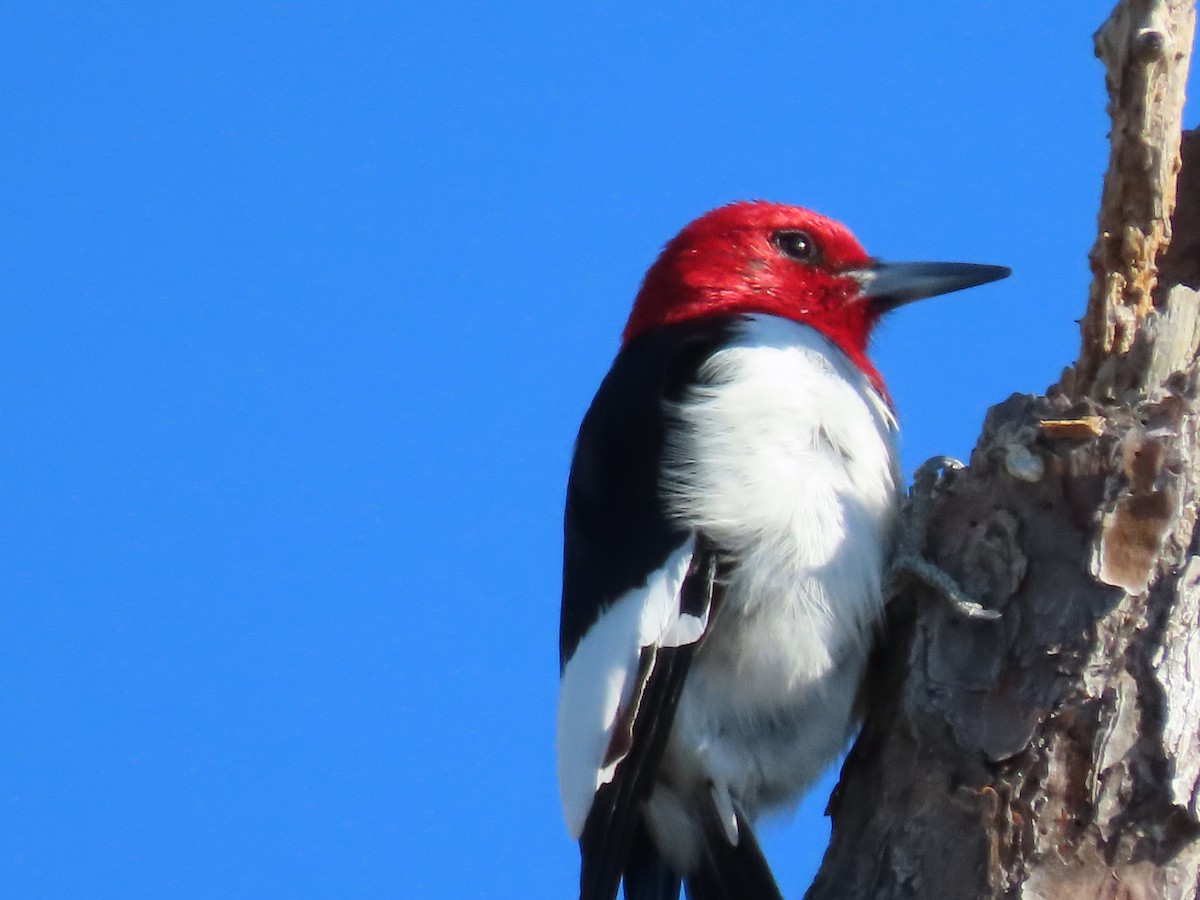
[{"x": 302, "y": 304}]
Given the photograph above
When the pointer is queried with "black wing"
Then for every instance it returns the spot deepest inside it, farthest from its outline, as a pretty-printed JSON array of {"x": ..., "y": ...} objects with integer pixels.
[
  {"x": 615, "y": 532},
  {"x": 616, "y": 536}
]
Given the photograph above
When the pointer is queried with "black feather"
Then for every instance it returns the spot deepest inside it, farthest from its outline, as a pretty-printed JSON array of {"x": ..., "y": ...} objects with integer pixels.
[
  {"x": 616, "y": 535},
  {"x": 615, "y": 817},
  {"x": 729, "y": 872},
  {"x": 647, "y": 875},
  {"x": 615, "y": 530}
]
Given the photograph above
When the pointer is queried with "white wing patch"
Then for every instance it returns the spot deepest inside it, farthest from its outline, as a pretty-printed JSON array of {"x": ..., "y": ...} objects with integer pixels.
[{"x": 598, "y": 678}]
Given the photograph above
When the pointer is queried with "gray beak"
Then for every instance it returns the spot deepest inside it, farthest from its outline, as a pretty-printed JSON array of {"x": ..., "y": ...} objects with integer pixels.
[{"x": 888, "y": 285}]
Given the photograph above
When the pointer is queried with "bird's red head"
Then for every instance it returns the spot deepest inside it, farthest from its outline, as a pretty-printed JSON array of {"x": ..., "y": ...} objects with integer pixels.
[
  {"x": 790, "y": 262},
  {"x": 760, "y": 258}
]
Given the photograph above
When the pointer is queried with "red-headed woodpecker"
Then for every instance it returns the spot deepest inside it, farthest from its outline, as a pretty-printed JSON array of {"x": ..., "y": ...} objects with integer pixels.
[{"x": 728, "y": 523}]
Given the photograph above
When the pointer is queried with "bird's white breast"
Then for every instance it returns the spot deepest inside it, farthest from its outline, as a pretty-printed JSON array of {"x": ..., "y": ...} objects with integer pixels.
[{"x": 783, "y": 457}]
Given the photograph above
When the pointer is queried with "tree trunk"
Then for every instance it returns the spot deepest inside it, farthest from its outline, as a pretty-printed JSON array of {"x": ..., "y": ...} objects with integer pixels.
[{"x": 1055, "y": 752}]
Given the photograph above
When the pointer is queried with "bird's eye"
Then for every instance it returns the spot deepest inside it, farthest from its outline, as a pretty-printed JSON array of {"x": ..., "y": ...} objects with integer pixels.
[{"x": 797, "y": 245}]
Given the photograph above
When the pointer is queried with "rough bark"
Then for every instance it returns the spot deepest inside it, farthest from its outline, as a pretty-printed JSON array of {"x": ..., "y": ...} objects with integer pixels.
[
  {"x": 1055, "y": 753},
  {"x": 1145, "y": 46}
]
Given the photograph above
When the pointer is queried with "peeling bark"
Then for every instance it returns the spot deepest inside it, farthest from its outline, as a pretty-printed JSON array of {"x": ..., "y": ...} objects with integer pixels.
[
  {"x": 1055, "y": 752},
  {"x": 1145, "y": 46},
  {"x": 1052, "y": 753}
]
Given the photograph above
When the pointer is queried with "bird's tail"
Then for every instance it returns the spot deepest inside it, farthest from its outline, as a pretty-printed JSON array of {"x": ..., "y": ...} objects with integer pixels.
[
  {"x": 730, "y": 871},
  {"x": 647, "y": 875}
]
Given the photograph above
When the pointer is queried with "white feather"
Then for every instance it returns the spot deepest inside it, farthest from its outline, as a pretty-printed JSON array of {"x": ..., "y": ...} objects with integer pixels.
[
  {"x": 784, "y": 458},
  {"x": 598, "y": 679}
]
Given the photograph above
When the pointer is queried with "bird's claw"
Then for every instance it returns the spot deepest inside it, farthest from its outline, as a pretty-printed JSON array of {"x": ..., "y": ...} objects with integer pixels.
[
  {"x": 933, "y": 470},
  {"x": 946, "y": 587},
  {"x": 909, "y": 559}
]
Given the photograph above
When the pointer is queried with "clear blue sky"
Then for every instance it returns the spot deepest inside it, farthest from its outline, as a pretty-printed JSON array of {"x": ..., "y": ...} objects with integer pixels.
[{"x": 301, "y": 306}]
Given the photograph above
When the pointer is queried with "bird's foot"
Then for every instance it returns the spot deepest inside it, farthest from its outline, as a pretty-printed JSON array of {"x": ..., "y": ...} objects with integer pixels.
[
  {"x": 933, "y": 576},
  {"x": 909, "y": 561}
]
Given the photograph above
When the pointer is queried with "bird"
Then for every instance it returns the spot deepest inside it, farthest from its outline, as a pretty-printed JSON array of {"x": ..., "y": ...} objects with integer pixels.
[{"x": 730, "y": 511}]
